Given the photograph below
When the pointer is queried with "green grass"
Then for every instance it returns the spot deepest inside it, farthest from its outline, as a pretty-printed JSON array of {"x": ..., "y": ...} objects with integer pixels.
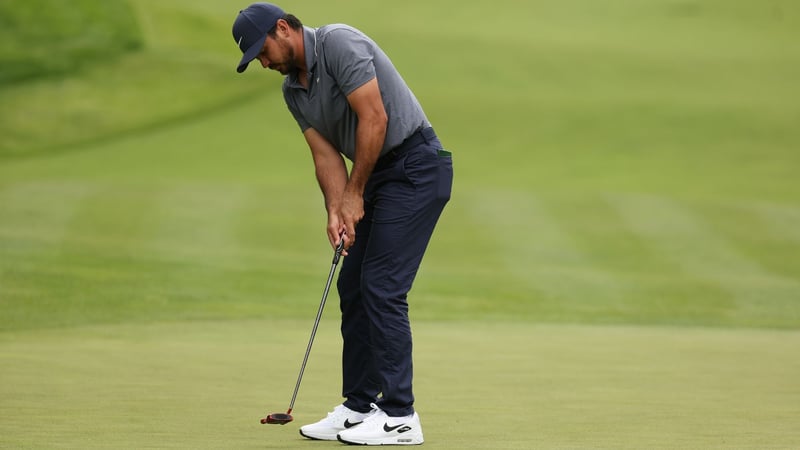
[
  {"x": 206, "y": 385},
  {"x": 161, "y": 64},
  {"x": 47, "y": 38},
  {"x": 617, "y": 268}
]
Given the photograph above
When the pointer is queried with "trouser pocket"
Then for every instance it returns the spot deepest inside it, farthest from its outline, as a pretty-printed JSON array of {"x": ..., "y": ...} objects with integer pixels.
[{"x": 445, "y": 183}]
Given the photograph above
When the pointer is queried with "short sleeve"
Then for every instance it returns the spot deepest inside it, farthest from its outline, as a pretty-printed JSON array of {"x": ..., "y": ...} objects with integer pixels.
[{"x": 349, "y": 59}]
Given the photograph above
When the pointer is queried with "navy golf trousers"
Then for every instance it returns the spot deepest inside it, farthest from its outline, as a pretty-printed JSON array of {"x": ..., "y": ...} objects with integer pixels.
[{"x": 403, "y": 199}]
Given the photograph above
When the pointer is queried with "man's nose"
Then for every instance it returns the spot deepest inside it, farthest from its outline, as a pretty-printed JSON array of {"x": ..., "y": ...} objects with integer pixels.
[{"x": 264, "y": 61}]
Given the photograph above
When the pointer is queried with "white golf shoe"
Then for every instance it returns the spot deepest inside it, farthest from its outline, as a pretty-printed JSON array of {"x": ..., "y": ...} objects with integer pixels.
[
  {"x": 380, "y": 429},
  {"x": 340, "y": 419}
]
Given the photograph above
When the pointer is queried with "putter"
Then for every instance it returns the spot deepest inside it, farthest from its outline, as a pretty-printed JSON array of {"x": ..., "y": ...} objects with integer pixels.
[{"x": 281, "y": 418}]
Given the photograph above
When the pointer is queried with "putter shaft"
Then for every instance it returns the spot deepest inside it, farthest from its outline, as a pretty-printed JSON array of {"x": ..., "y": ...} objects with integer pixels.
[{"x": 336, "y": 256}]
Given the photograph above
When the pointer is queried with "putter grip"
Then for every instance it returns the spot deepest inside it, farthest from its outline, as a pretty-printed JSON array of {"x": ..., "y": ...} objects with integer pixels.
[{"x": 339, "y": 250}]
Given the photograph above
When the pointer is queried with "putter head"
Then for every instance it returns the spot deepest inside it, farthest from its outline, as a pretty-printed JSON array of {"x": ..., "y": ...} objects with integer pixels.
[{"x": 278, "y": 418}]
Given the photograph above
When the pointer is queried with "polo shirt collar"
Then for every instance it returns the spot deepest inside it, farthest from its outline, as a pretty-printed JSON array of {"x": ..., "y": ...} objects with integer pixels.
[{"x": 310, "y": 46}]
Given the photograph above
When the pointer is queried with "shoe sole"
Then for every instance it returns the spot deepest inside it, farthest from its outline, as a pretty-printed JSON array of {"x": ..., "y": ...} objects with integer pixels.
[
  {"x": 319, "y": 437},
  {"x": 388, "y": 441}
]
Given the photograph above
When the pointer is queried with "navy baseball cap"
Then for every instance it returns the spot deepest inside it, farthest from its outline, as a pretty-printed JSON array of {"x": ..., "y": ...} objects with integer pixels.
[{"x": 250, "y": 30}]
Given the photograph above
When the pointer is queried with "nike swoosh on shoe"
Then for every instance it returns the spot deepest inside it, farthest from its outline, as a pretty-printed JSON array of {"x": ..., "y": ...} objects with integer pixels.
[
  {"x": 389, "y": 429},
  {"x": 348, "y": 424}
]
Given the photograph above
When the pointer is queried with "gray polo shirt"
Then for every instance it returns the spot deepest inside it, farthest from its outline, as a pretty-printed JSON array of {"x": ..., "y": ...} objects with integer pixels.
[{"x": 341, "y": 59}]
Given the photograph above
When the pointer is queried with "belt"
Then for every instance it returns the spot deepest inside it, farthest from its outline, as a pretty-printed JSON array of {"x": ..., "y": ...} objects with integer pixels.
[{"x": 419, "y": 137}]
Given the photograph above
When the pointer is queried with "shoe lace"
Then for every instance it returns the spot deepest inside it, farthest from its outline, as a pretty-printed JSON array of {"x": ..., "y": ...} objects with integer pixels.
[
  {"x": 337, "y": 412},
  {"x": 376, "y": 412}
]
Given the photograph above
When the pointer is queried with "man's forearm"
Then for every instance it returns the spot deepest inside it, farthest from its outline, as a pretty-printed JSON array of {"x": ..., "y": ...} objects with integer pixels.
[
  {"x": 370, "y": 135},
  {"x": 332, "y": 179},
  {"x": 330, "y": 169}
]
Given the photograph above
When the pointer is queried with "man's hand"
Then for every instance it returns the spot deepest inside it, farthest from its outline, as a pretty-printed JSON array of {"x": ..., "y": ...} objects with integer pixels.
[
  {"x": 342, "y": 222},
  {"x": 344, "y": 199},
  {"x": 352, "y": 211},
  {"x": 335, "y": 230}
]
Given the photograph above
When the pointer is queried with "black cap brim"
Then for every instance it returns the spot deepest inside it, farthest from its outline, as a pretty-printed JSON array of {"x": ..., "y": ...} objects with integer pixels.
[{"x": 251, "y": 54}]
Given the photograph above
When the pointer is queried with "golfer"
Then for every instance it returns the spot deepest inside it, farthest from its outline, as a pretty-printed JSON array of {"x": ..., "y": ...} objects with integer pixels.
[{"x": 350, "y": 102}]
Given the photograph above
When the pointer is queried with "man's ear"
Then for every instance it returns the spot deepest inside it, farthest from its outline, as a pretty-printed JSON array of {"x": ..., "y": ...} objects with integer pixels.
[{"x": 282, "y": 27}]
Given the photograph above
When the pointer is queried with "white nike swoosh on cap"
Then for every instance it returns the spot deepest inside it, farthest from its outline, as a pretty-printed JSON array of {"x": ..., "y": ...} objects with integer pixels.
[{"x": 240, "y": 41}]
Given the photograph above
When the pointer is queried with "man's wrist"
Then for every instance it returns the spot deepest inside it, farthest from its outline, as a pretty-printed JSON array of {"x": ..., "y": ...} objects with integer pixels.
[
  {"x": 354, "y": 187},
  {"x": 333, "y": 207}
]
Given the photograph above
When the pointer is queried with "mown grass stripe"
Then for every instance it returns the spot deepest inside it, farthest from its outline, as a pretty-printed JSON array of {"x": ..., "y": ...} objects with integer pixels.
[
  {"x": 112, "y": 220},
  {"x": 684, "y": 238},
  {"x": 36, "y": 215},
  {"x": 199, "y": 219},
  {"x": 537, "y": 250},
  {"x": 782, "y": 220},
  {"x": 678, "y": 235},
  {"x": 35, "y": 222}
]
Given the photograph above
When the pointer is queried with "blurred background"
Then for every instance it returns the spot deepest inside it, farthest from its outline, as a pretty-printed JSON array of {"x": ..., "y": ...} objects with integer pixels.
[
  {"x": 628, "y": 161},
  {"x": 619, "y": 163}
]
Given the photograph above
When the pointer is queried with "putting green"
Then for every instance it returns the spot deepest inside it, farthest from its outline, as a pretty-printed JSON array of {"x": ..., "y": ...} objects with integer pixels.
[
  {"x": 162, "y": 235},
  {"x": 206, "y": 384}
]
